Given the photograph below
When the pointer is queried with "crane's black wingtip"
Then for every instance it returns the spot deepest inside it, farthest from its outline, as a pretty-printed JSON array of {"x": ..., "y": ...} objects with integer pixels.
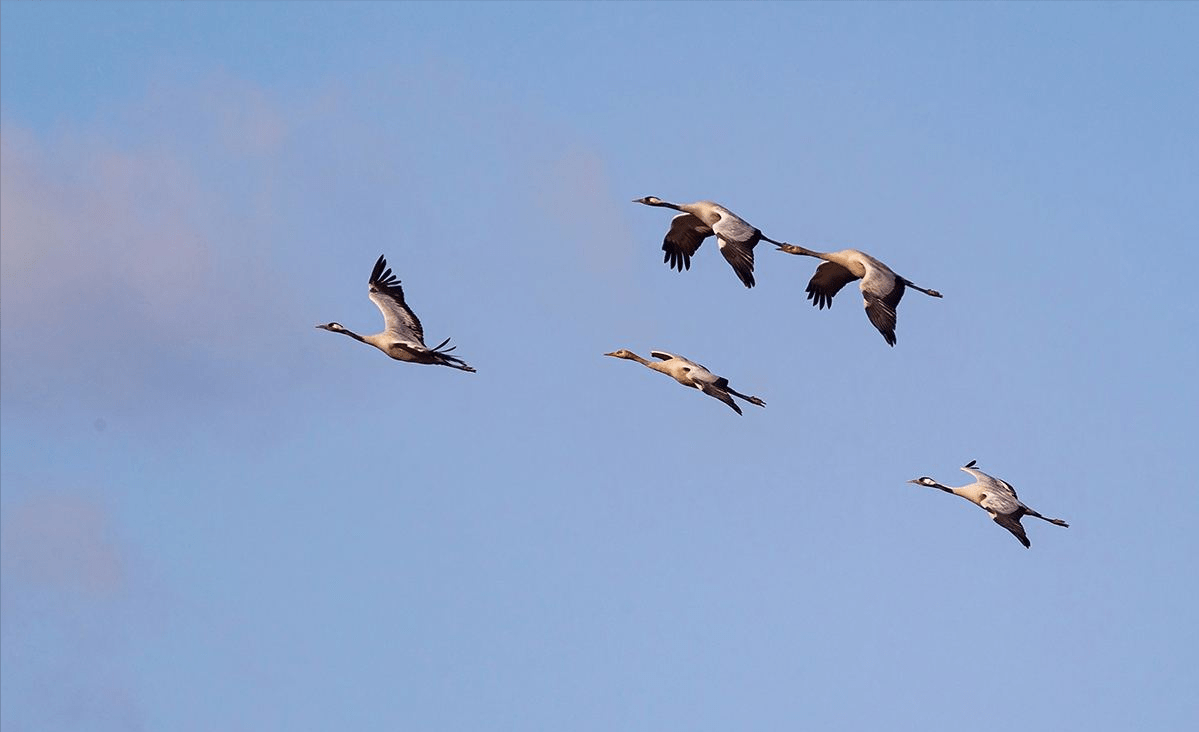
[{"x": 377, "y": 272}]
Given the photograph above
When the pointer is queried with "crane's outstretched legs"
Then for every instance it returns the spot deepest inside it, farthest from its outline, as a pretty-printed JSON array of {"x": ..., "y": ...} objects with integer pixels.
[
  {"x": 1055, "y": 522},
  {"x": 750, "y": 399}
]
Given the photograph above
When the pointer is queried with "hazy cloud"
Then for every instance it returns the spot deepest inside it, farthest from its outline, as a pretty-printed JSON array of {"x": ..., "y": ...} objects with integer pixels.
[
  {"x": 61, "y": 542},
  {"x": 83, "y": 222},
  {"x": 123, "y": 262}
]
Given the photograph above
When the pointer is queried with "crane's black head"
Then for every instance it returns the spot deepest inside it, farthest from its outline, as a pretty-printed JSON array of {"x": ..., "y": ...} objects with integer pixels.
[
  {"x": 335, "y": 327},
  {"x": 649, "y": 200},
  {"x": 924, "y": 480}
]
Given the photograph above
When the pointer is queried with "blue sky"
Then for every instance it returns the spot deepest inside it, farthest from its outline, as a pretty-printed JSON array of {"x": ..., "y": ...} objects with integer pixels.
[{"x": 215, "y": 516}]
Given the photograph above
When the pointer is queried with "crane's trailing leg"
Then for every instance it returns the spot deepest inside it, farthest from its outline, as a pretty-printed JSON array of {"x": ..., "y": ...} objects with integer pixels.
[
  {"x": 1055, "y": 522},
  {"x": 750, "y": 399}
]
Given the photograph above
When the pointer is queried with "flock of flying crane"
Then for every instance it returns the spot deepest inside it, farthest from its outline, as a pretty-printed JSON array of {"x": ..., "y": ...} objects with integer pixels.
[{"x": 403, "y": 337}]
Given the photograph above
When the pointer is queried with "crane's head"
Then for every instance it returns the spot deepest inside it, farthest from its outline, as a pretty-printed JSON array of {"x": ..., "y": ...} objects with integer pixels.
[
  {"x": 622, "y": 353},
  {"x": 335, "y": 327},
  {"x": 925, "y": 480},
  {"x": 649, "y": 201}
]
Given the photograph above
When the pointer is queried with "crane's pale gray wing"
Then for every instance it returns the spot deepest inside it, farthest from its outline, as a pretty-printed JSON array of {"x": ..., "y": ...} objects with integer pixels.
[
  {"x": 1008, "y": 486},
  {"x": 715, "y": 391},
  {"x": 995, "y": 485},
  {"x": 737, "y": 240},
  {"x": 388, "y": 296},
  {"x": 686, "y": 233},
  {"x": 881, "y": 293},
  {"x": 999, "y": 502},
  {"x": 1012, "y": 524},
  {"x": 664, "y": 356},
  {"x": 827, "y": 282},
  {"x": 733, "y": 228}
]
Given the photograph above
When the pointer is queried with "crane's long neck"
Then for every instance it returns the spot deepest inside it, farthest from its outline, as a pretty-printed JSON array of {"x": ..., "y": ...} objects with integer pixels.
[
  {"x": 941, "y": 487},
  {"x": 666, "y": 204},
  {"x": 794, "y": 249},
  {"x": 352, "y": 334},
  {"x": 640, "y": 360}
]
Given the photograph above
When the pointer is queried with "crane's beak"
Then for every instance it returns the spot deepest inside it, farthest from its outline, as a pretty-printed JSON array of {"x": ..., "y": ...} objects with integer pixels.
[
  {"x": 610, "y": 354},
  {"x": 913, "y": 480}
]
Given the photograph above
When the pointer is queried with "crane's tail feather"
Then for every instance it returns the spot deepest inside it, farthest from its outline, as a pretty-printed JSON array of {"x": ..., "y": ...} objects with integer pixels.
[
  {"x": 457, "y": 363},
  {"x": 445, "y": 359}
]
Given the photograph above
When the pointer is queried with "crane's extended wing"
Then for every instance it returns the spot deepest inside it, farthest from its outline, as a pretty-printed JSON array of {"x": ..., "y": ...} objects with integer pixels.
[
  {"x": 999, "y": 502},
  {"x": 881, "y": 293},
  {"x": 1007, "y": 486},
  {"x": 737, "y": 240},
  {"x": 1012, "y": 524},
  {"x": 686, "y": 233},
  {"x": 388, "y": 296},
  {"x": 993, "y": 484},
  {"x": 830, "y": 277},
  {"x": 997, "y": 497},
  {"x": 712, "y": 390},
  {"x": 664, "y": 356}
]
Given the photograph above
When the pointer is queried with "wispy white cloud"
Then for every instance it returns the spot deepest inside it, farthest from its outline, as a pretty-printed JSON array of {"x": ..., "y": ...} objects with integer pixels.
[
  {"x": 82, "y": 223},
  {"x": 88, "y": 215},
  {"x": 122, "y": 254}
]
